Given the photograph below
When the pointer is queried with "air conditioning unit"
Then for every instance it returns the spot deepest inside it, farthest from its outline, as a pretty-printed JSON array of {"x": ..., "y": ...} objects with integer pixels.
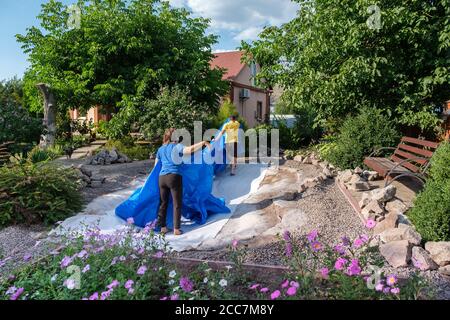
[{"x": 244, "y": 93}]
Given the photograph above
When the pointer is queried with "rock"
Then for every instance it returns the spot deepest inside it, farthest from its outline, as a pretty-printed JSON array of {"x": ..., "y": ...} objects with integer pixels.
[
  {"x": 315, "y": 162},
  {"x": 383, "y": 194},
  {"x": 371, "y": 210},
  {"x": 358, "y": 170},
  {"x": 404, "y": 220},
  {"x": 439, "y": 251},
  {"x": 302, "y": 188},
  {"x": 396, "y": 206},
  {"x": 113, "y": 155},
  {"x": 390, "y": 221},
  {"x": 345, "y": 176},
  {"x": 307, "y": 160},
  {"x": 96, "y": 184},
  {"x": 39, "y": 235},
  {"x": 290, "y": 195},
  {"x": 98, "y": 179},
  {"x": 86, "y": 179},
  {"x": 85, "y": 171},
  {"x": 355, "y": 178},
  {"x": 365, "y": 199},
  {"x": 422, "y": 260},
  {"x": 370, "y": 175},
  {"x": 327, "y": 172},
  {"x": 445, "y": 270},
  {"x": 298, "y": 158},
  {"x": 396, "y": 253},
  {"x": 395, "y": 234},
  {"x": 309, "y": 183},
  {"x": 379, "y": 218},
  {"x": 323, "y": 176},
  {"x": 358, "y": 186}
]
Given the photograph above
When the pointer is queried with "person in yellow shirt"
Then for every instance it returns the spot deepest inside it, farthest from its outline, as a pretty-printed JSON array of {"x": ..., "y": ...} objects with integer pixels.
[{"x": 231, "y": 128}]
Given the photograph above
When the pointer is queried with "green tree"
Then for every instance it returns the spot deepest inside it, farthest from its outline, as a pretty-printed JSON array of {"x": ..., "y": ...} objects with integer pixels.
[
  {"x": 120, "y": 54},
  {"x": 335, "y": 58}
]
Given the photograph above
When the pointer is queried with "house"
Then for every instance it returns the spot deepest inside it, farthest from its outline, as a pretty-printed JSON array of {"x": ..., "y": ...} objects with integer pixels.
[{"x": 252, "y": 103}]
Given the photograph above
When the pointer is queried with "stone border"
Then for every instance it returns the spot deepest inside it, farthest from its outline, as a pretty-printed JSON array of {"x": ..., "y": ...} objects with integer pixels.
[{"x": 351, "y": 200}]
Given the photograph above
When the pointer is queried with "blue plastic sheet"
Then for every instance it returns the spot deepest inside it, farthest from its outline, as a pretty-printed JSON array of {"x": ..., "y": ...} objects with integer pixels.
[{"x": 198, "y": 202}]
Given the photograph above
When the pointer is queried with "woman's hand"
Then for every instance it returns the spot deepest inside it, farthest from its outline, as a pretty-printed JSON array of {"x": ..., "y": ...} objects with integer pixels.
[{"x": 207, "y": 144}]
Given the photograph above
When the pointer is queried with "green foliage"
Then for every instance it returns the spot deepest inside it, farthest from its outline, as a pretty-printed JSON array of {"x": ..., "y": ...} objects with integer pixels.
[
  {"x": 290, "y": 154},
  {"x": 173, "y": 107},
  {"x": 329, "y": 59},
  {"x": 226, "y": 110},
  {"x": 38, "y": 154},
  {"x": 128, "y": 147},
  {"x": 32, "y": 193},
  {"x": 16, "y": 123},
  {"x": 122, "y": 50},
  {"x": 431, "y": 211},
  {"x": 359, "y": 136}
]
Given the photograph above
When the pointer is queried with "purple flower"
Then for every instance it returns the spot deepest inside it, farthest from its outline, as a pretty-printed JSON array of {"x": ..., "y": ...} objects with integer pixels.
[
  {"x": 17, "y": 294},
  {"x": 158, "y": 255},
  {"x": 186, "y": 284},
  {"x": 346, "y": 241},
  {"x": 291, "y": 291},
  {"x": 379, "y": 286},
  {"x": 295, "y": 284},
  {"x": 27, "y": 257},
  {"x": 254, "y": 286},
  {"x": 65, "y": 262},
  {"x": 163, "y": 298},
  {"x": 129, "y": 284},
  {"x": 316, "y": 246},
  {"x": 288, "y": 250},
  {"x": 340, "y": 263},
  {"x": 11, "y": 290},
  {"x": 354, "y": 268},
  {"x": 130, "y": 220},
  {"x": 275, "y": 295},
  {"x": 94, "y": 296},
  {"x": 113, "y": 284},
  {"x": 339, "y": 249},
  {"x": 82, "y": 254},
  {"x": 387, "y": 290},
  {"x": 287, "y": 236},
  {"x": 391, "y": 280},
  {"x": 141, "y": 271},
  {"x": 358, "y": 243},
  {"x": 105, "y": 294},
  {"x": 130, "y": 291},
  {"x": 174, "y": 297},
  {"x": 324, "y": 272},
  {"x": 264, "y": 290},
  {"x": 312, "y": 235},
  {"x": 86, "y": 268},
  {"x": 370, "y": 224},
  {"x": 234, "y": 244},
  {"x": 285, "y": 284},
  {"x": 395, "y": 290}
]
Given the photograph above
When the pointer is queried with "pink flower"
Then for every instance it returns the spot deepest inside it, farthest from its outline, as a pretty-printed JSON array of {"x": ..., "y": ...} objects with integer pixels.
[
  {"x": 275, "y": 295},
  {"x": 82, "y": 254},
  {"x": 264, "y": 290},
  {"x": 295, "y": 284},
  {"x": 86, "y": 268},
  {"x": 129, "y": 284},
  {"x": 285, "y": 284},
  {"x": 391, "y": 280},
  {"x": 94, "y": 296},
  {"x": 379, "y": 287},
  {"x": 358, "y": 243},
  {"x": 130, "y": 291},
  {"x": 235, "y": 243},
  {"x": 340, "y": 263},
  {"x": 141, "y": 271},
  {"x": 65, "y": 262},
  {"x": 291, "y": 291},
  {"x": 113, "y": 284},
  {"x": 395, "y": 290},
  {"x": 163, "y": 298},
  {"x": 130, "y": 220},
  {"x": 105, "y": 294},
  {"x": 354, "y": 268},
  {"x": 370, "y": 224},
  {"x": 158, "y": 255},
  {"x": 17, "y": 294},
  {"x": 186, "y": 284},
  {"x": 324, "y": 272},
  {"x": 316, "y": 246},
  {"x": 254, "y": 286},
  {"x": 174, "y": 297},
  {"x": 287, "y": 236},
  {"x": 288, "y": 250},
  {"x": 312, "y": 235},
  {"x": 339, "y": 249}
]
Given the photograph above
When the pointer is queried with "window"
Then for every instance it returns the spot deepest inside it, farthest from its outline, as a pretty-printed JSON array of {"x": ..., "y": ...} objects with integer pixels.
[{"x": 259, "y": 112}]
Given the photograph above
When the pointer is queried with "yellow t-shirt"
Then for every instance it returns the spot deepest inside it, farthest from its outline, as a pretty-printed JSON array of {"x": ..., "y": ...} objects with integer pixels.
[{"x": 232, "y": 130}]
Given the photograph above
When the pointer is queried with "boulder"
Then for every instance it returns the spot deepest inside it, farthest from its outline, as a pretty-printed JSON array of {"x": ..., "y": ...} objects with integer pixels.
[
  {"x": 95, "y": 184},
  {"x": 445, "y": 270},
  {"x": 358, "y": 170},
  {"x": 298, "y": 158},
  {"x": 290, "y": 195},
  {"x": 327, "y": 172},
  {"x": 396, "y": 253},
  {"x": 307, "y": 160},
  {"x": 85, "y": 171},
  {"x": 365, "y": 199},
  {"x": 439, "y": 251},
  {"x": 404, "y": 220},
  {"x": 345, "y": 176},
  {"x": 422, "y": 260},
  {"x": 395, "y": 234},
  {"x": 383, "y": 194},
  {"x": 390, "y": 221},
  {"x": 358, "y": 186},
  {"x": 315, "y": 162},
  {"x": 370, "y": 175},
  {"x": 113, "y": 155},
  {"x": 371, "y": 210},
  {"x": 396, "y": 206}
]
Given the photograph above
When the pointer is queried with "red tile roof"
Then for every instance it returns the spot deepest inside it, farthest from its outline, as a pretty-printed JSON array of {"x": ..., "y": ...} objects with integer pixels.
[{"x": 231, "y": 61}]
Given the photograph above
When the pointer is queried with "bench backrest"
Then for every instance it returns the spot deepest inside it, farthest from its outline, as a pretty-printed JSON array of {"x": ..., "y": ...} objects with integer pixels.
[{"x": 412, "y": 148}]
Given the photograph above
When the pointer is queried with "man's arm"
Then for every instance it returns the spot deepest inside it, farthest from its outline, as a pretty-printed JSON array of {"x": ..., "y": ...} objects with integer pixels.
[{"x": 194, "y": 148}]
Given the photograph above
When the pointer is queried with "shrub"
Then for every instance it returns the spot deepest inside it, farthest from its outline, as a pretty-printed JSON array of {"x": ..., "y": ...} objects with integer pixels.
[
  {"x": 227, "y": 109},
  {"x": 359, "y": 136},
  {"x": 38, "y": 154},
  {"x": 431, "y": 211},
  {"x": 127, "y": 146},
  {"x": 31, "y": 193}
]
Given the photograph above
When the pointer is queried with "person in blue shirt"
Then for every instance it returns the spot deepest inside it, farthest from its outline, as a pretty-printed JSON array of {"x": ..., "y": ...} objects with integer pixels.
[{"x": 170, "y": 180}]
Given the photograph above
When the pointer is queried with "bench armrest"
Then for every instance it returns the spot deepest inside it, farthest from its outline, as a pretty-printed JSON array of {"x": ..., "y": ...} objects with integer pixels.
[
  {"x": 423, "y": 168},
  {"x": 379, "y": 149}
]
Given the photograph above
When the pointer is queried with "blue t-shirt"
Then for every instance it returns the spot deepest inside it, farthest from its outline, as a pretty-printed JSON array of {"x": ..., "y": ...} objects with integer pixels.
[{"x": 170, "y": 156}]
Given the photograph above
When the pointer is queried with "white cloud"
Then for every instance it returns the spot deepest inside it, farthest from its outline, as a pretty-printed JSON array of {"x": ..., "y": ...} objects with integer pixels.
[{"x": 245, "y": 19}]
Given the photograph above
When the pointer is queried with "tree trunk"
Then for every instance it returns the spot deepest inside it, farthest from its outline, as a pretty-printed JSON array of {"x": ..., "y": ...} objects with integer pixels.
[{"x": 48, "y": 138}]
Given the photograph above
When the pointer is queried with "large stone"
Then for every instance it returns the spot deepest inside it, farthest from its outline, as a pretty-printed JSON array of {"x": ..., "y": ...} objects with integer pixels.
[
  {"x": 395, "y": 234},
  {"x": 389, "y": 222},
  {"x": 439, "y": 251},
  {"x": 315, "y": 162},
  {"x": 396, "y": 253},
  {"x": 396, "y": 206},
  {"x": 327, "y": 172},
  {"x": 365, "y": 199},
  {"x": 358, "y": 186},
  {"x": 383, "y": 194},
  {"x": 355, "y": 178},
  {"x": 445, "y": 270},
  {"x": 358, "y": 170},
  {"x": 422, "y": 260},
  {"x": 85, "y": 171},
  {"x": 345, "y": 176},
  {"x": 371, "y": 210},
  {"x": 370, "y": 175},
  {"x": 298, "y": 158},
  {"x": 307, "y": 160},
  {"x": 113, "y": 155}
]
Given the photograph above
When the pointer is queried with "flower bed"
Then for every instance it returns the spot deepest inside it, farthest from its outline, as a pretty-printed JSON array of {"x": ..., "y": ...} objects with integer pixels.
[{"x": 136, "y": 264}]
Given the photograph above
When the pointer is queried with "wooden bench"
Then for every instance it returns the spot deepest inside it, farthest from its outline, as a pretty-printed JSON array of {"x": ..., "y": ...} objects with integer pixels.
[{"x": 410, "y": 158}]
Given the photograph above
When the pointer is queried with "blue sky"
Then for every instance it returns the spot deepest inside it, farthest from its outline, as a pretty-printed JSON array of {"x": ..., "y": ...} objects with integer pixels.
[{"x": 232, "y": 20}]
